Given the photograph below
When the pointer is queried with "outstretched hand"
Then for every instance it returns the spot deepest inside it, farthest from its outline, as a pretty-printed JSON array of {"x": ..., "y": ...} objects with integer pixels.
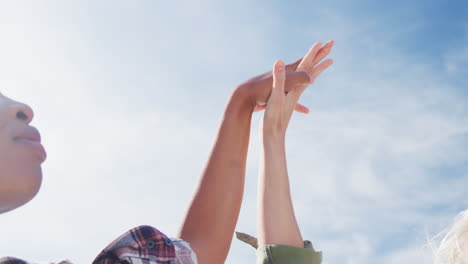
[{"x": 298, "y": 75}]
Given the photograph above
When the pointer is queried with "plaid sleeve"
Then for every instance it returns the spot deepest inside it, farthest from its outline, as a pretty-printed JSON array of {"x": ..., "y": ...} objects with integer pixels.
[{"x": 141, "y": 245}]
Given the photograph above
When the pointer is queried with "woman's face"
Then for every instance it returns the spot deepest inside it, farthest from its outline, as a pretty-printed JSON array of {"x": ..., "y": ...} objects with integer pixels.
[{"x": 21, "y": 155}]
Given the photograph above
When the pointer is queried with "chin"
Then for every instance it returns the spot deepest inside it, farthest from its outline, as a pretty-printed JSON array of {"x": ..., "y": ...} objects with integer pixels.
[
  {"x": 33, "y": 184},
  {"x": 24, "y": 186}
]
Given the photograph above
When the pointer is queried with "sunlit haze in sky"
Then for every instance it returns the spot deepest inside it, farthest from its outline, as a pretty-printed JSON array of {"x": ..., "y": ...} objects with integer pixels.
[{"x": 128, "y": 96}]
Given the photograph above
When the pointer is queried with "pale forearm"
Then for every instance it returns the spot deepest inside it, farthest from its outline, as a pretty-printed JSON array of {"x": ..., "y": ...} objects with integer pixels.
[
  {"x": 276, "y": 222},
  {"x": 214, "y": 210}
]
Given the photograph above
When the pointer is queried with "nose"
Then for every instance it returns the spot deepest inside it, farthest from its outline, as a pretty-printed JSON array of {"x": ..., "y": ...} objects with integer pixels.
[{"x": 22, "y": 112}]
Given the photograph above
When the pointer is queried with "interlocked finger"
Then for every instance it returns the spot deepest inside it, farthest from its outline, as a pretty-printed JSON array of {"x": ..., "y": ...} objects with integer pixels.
[
  {"x": 317, "y": 70},
  {"x": 293, "y": 66},
  {"x": 279, "y": 77},
  {"x": 323, "y": 52},
  {"x": 308, "y": 60}
]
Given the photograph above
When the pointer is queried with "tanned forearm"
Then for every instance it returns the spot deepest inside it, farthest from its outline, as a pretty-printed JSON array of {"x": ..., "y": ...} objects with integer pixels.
[{"x": 212, "y": 215}]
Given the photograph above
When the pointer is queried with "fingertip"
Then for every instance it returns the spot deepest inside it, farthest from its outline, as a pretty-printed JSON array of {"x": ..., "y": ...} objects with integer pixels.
[
  {"x": 279, "y": 65},
  {"x": 330, "y": 46},
  {"x": 303, "y": 110},
  {"x": 316, "y": 46}
]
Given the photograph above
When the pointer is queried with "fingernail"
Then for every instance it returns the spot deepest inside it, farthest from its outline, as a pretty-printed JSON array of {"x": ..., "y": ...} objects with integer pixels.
[{"x": 279, "y": 65}]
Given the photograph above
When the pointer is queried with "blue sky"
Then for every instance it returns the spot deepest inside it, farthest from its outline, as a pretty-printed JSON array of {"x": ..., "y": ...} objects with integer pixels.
[{"x": 127, "y": 91}]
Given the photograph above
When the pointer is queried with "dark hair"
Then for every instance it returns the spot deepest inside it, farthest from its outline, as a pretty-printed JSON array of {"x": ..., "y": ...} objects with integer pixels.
[{"x": 11, "y": 260}]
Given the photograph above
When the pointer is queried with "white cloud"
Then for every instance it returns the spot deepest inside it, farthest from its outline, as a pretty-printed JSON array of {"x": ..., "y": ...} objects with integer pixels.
[{"x": 416, "y": 254}]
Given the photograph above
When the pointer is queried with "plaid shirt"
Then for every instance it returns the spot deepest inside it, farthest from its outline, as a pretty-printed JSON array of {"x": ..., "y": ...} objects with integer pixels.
[{"x": 141, "y": 245}]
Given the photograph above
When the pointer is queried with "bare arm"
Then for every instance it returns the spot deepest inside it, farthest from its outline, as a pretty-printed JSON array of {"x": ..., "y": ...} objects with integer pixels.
[
  {"x": 276, "y": 222},
  {"x": 213, "y": 212}
]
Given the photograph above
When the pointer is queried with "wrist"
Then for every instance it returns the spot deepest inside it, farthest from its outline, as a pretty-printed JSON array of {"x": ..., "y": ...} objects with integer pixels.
[
  {"x": 273, "y": 140},
  {"x": 238, "y": 105},
  {"x": 271, "y": 133},
  {"x": 244, "y": 98}
]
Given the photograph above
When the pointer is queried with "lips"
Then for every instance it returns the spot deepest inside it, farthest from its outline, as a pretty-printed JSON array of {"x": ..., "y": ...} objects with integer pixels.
[
  {"x": 28, "y": 134},
  {"x": 30, "y": 138}
]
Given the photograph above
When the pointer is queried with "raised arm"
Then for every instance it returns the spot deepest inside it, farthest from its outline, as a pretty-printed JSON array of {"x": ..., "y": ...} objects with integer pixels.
[
  {"x": 276, "y": 222},
  {"x": 213, "y": 212}
]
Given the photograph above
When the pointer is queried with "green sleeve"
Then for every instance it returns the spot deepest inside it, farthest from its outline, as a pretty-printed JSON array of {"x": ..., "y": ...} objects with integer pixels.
[{"x": 282, "y": 254}]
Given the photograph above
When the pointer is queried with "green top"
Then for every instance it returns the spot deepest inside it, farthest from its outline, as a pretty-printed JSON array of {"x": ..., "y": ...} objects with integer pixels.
[{"x": 282, "y": 254}]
